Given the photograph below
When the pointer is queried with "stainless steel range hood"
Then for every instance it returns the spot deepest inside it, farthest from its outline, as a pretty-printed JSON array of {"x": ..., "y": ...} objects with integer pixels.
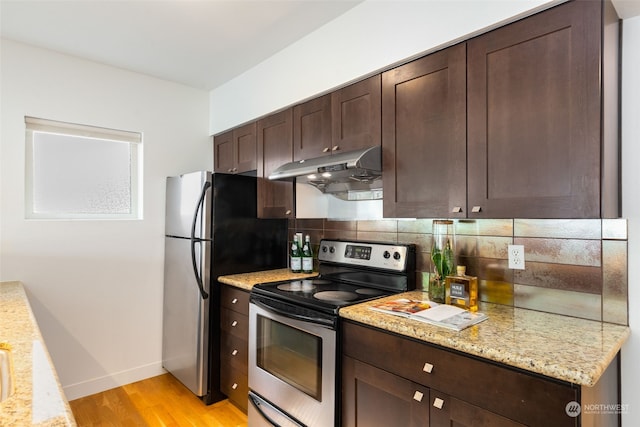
[{"x": 352, "y": 175}]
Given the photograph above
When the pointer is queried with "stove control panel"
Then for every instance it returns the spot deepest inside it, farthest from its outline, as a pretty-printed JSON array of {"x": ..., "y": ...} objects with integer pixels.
[{"x": 374, "y": 255}]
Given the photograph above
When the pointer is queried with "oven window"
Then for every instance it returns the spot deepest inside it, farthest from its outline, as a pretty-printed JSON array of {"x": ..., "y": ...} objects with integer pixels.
[{"x": 293, "y": 355}]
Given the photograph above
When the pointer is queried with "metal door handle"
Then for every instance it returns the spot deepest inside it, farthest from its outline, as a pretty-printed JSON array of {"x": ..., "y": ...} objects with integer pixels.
[
  {"x": 234, "y": 301},
  {"x": 417, "y": 396},
  {"x": 325, "y": 149},
  {"x": 335, "y": 148},
  {"x": 456, "y": 209},
  {"x": 428, "y": 367},
  {"x": 234, "y": 352},
  {"x": 476, "y": 209}
]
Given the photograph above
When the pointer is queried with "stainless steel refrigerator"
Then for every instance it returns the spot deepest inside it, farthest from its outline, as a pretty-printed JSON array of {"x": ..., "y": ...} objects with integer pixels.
[{"x": 211, "y": 230}]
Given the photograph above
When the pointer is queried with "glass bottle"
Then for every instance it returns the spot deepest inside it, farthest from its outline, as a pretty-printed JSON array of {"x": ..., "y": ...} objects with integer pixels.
[
  {"x": 442, "y": 258},
  {"x": 295, "y": 256},
  {"x": 462, "y": 290},
  {"x": 307, "y": 256}
]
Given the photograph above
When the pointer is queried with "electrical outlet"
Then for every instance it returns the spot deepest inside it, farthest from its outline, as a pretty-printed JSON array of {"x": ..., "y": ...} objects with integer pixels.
[{"x": 516, "y": 257}]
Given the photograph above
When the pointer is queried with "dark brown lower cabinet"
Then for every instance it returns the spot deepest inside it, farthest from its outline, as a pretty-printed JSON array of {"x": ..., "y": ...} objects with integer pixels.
[
  {"x": 389, "y": 379},
  {"x": 234, "y": 345},
  {"x": 374, "y": 397}
]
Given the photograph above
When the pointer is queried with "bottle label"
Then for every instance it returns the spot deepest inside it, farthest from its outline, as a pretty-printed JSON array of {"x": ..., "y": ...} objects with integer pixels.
[
  {"x": 457, "y": 290},
  {"x": 307, "y": 264},
  {"x": 296, "y": 264}
]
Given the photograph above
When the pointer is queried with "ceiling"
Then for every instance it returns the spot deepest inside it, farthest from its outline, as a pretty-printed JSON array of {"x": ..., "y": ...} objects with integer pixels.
[{"x": 199, "y": 43}]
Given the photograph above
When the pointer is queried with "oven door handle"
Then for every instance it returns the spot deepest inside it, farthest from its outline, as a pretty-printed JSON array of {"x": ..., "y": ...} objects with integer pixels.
[
  {"x": 328, "y": 323},
  {"x": 284, "y": 420}
]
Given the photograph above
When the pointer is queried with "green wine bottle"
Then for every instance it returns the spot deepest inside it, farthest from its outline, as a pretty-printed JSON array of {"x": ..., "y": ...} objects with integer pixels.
[
  {"x": 307, "y": 256},
  {"x": 295, "y": 261}
]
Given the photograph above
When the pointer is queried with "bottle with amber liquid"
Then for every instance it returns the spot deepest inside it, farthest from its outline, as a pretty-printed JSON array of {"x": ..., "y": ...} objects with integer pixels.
[{"x": 462, "y": 290}]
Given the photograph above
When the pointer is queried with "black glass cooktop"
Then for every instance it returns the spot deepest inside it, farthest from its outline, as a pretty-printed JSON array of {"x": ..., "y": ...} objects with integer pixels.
[{"x": 319, "y": 293}]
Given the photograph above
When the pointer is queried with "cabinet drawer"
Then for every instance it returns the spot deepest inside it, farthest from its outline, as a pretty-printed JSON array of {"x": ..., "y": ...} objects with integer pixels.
[
  {"x": 524, "y": 397},
  {"x": 236, "y": 386},
  {"x": 235, "y": 299},
  {"x": 234, "y": 352},
  {"x": 234, "y": 323}
]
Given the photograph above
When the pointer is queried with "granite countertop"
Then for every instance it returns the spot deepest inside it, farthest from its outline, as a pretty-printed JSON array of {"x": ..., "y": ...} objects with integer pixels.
[
  {"x": 38, "y": 399},
  {"x": 247, "y": 280},
  {"x": 561, "y": 347}
]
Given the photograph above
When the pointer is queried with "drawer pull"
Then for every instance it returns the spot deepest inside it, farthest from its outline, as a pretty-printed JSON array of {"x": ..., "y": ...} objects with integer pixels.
[
  {"x": 428, "y": 367},
  {"x": 438, "y": 403},
  {"x": 234, "y": 352},
  {"x": 234, "y": 386},
  {"x": 335, "y": 148},
  {"x": 326, "y": 149},
  {"x": 234, "y": 323},
  {"x": 234, "y": 301},
  {"x": 456, "y": 209},
  {"x": 287, "y": 212},
  {"x": 417, "y": 396},
  {"x": 476, "y": 209}
]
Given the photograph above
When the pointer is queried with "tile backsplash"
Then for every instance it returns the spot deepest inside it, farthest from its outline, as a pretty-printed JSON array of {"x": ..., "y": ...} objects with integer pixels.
[{"x": 572, "y": 267}]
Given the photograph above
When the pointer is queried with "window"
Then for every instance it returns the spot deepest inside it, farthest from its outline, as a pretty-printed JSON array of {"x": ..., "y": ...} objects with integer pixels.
[{"x": 82, "y": 172}]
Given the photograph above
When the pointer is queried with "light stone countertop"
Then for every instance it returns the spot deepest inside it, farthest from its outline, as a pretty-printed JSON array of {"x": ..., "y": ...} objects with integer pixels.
[
  {"x": 247, "y": 280},
  {"x": 561, "y": 347},
  {"x": 38, "y": 399}
]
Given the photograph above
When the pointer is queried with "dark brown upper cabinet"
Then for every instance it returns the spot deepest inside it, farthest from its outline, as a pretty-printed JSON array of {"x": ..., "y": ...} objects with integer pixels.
[
  {"x": 356, "y": 115},
  {"x": 344, "y": 120},
  {"x": 312, "y": 128},
  {"x": 235, "y": 150},
  {"x": 424, "y": 136},
  {"x": 538, "y": 129},
  {"x": 275, "y": 148}
]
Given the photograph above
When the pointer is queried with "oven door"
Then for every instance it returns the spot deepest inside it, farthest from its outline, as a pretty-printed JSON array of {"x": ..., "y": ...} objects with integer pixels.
[{"x": 292, "y": 361}]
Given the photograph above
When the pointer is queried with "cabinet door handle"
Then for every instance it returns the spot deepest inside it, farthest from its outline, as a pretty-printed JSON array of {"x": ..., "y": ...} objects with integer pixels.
[
  {"x": 229, "y": 170},
  {"x": 234, "y": 386},
  {"x": 287, "y": 212},
  {"x": 417, "y": 396},
  {"x": 234, "y": 301},
  {"x": 438, "y": 403},
  {"x": 335, "y": 148},
  {"x": 456, "y": 209},
  {"x": 234, "y": 352},
  {"x": 325, "y": 149},
  {"x": 428, "y": 367},
  {"x": 234, "y": 323},
  {"x": 476, "y": 209}
]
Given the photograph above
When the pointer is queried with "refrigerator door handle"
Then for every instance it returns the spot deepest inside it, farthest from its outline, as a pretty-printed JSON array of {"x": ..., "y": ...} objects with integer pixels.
[{"x": 195, "y": 240}]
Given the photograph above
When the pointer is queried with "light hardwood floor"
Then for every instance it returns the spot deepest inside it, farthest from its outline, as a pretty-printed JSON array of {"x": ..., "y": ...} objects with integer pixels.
[{"x": 159, "y": 401}]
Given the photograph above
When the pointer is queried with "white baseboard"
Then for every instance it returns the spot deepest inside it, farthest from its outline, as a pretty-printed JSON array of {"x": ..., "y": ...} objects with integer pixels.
[{"x": 107, "y": 382}]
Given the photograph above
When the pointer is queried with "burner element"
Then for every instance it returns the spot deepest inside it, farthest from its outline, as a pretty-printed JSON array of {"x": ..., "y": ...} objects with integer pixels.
[
  {"x": 369, "y": 291},
  {"x": 297, "y": 286},
  {"x": 336, "y": 296}
]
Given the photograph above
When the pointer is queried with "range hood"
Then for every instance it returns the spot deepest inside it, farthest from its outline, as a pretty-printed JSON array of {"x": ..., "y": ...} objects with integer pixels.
[{"x": 352, "y": 175}]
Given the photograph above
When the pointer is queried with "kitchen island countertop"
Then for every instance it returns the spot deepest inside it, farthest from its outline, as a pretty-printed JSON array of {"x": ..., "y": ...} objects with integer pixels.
[
  {"x": 566, "y": 348},
  {"x": 247, "y": 280},
  {"x": 38, "y": 399}
]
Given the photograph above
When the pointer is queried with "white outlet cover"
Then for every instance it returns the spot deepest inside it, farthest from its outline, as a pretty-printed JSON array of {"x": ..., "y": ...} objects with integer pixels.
[{"x": 516, "y": 257}]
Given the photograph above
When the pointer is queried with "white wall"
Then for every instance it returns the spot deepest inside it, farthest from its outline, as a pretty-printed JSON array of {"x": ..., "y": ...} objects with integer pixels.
[
  {"x": 375, "y": 34},
  {"x": 631, "y": 209},
  {"x": 367, "y": 38},
  {"x": 95, "y": 286}
]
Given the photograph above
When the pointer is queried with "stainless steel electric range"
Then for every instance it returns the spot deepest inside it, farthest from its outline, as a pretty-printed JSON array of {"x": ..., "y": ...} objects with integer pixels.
[{"x": 294, "y": 333}]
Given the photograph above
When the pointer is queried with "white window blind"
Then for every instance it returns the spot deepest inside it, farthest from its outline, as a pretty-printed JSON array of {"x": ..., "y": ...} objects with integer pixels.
[{"x": 82, "y": 172}]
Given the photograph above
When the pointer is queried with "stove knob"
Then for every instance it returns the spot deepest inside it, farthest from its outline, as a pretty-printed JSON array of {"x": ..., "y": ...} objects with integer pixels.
[
  {"x": 324, "y": 249},
  {"x": 396, "y": 256},
  {"x": 332, "y": 249},
  {"x": 386, "y": 255}
]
